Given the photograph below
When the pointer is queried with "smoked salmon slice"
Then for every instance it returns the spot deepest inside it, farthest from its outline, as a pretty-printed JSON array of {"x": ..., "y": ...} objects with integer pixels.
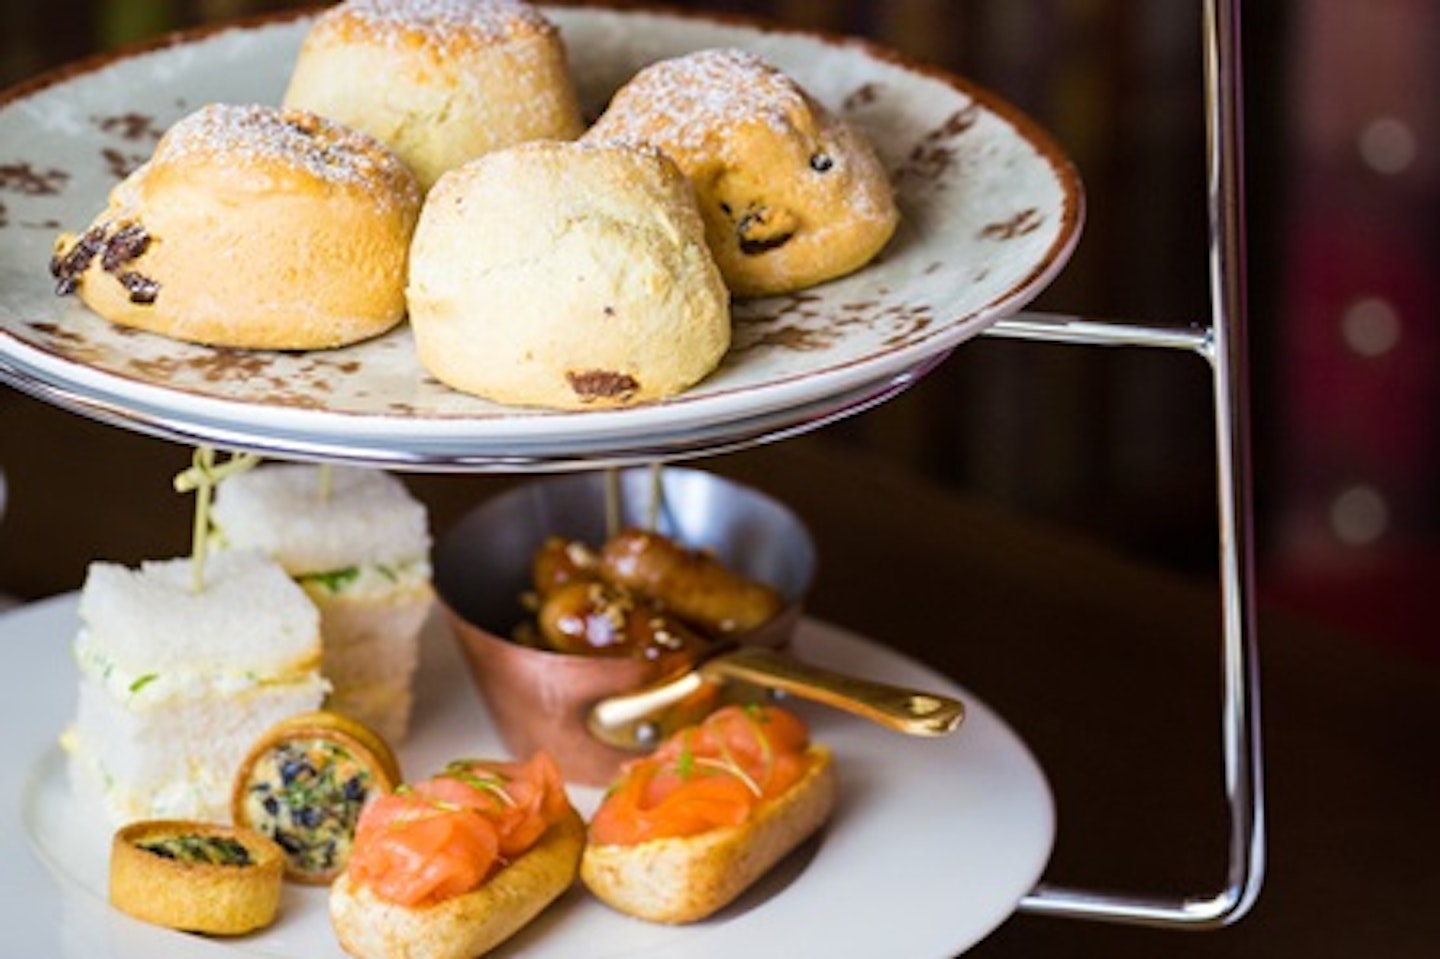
[
  {"x": 705, "y": 777},
  {"x": 446, "y": 835}
]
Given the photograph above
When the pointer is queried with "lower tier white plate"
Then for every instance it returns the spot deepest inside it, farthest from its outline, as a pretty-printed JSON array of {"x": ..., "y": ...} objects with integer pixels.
[{"x": 932, "y": 845}]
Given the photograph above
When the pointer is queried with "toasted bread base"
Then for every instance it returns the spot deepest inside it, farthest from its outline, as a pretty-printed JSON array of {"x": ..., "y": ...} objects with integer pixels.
[
  {"x": 687, "y": 879},
  {"x": 464, "y": 926}
]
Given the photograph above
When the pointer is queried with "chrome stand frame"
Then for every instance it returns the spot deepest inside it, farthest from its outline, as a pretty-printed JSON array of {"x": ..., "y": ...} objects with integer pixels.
[{"x": 1223, "y": 344}]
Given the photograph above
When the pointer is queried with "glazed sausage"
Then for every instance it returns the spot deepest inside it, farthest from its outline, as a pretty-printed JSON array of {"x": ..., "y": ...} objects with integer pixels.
[
  {"x": 597, "y": 619},
  {"x": 559, "y": 561},
  {"x": 692, "y": 584}
]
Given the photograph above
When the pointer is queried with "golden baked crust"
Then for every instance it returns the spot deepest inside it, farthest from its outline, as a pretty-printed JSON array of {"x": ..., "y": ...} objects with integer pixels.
[
  {"x": 464, "y": 926},
  {"x": 679, "y": 880},
  {"x": 792, "y": 194},
  {"x": 197, "y": 896},
  {"x": 461, "y": 77},
  {"x": 252, "y": 227},
  {"x": 311, "y": 808},
  {"x": 566, "y": 275}
]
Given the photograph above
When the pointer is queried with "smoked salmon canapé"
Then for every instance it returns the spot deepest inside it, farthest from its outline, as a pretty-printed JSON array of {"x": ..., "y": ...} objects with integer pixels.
[
  {"x": 686, "y": 830},
  {"x": 449, "y": 867}
]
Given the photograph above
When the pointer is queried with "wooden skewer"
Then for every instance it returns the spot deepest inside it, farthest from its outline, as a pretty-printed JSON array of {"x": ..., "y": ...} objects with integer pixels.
[
  {"x": 201, "y": 478},
  {"x": 657, "y": 493},
  {"x": 612, "y": 501}
]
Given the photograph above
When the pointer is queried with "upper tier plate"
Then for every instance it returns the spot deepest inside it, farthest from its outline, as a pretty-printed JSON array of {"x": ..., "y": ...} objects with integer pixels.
[{"x": 991, "y": 211}]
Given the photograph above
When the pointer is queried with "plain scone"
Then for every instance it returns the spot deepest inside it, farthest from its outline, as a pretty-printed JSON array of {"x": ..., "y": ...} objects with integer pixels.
[
  {"x": 252, "y": 227},
  {"x": 680, "y": 880},
  {"x": 439, "y": 81},
  {"x": 792, "y": 194},
  {"x": 463, "y": 926},
  {"x": 566, "y": 275}
]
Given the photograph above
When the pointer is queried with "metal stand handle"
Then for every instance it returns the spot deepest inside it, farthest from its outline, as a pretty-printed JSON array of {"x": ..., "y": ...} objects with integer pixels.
[{"x": 1223, "y": 345}]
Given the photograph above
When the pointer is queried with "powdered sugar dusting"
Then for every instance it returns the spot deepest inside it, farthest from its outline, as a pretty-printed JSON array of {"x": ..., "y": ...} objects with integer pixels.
[
  {"x": 258, "y": 135},
  {"x": 684, "y": 100},
  {"x": 796, "y": 359},
  {"x": 438, "y": 23}
]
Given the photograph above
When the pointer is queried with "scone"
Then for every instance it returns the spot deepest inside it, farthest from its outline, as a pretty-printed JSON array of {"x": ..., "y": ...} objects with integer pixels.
[
  {"x": 252, "y": 227},
  {"x": 439, "y": 81},
  {"x": 566, "y": 275},
  {"x": 792, "y": 194}
]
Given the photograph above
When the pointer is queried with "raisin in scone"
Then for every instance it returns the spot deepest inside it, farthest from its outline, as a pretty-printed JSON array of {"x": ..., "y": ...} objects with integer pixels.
[
  {"x": 792, "y": 194},
  {"x": 251, "y": 227},
  {"x": 439, "y": 81},
  {"x": 566, "y": 275}
]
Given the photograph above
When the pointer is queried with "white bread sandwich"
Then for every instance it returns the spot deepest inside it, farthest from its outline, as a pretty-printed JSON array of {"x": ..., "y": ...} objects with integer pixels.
[
  {"x": 176, "y": 682},
  {"x": 450, "y": 867},
  {"x": 359, "y": 545},
  {"x": 684, "y": 832}
]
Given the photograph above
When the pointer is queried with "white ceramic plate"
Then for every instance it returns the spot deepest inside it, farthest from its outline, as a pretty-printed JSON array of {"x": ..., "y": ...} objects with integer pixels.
[
  {"x": 515, "y": 455},
  {"x": 991, "y": 208},
  {"x": 933, "y": 842}
]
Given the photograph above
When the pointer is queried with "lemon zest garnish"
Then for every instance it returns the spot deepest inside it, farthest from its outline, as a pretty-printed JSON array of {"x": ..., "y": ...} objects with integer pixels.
[
  {"x": 483, "y": 780},
  {"x": 730, "y": 767}
]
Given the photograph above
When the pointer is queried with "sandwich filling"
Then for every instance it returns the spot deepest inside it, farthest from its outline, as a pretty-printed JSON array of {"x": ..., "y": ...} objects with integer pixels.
[{"x": 369, "y": 582}]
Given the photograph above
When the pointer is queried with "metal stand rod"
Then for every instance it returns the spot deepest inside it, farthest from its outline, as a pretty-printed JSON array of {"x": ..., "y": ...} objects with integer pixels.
[
  {"x": 1083, "y": 331},
  {"x": 1224, "y": 346}
]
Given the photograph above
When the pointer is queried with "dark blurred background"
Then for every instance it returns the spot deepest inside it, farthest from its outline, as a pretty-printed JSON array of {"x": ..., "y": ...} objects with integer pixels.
[
  {"x": 1113, "y": 446},
  {"x": 1343, "y": 187}
]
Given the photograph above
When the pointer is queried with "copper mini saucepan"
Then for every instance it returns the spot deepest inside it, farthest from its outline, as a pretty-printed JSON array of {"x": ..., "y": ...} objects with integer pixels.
[{"x": 592, "y": 713}]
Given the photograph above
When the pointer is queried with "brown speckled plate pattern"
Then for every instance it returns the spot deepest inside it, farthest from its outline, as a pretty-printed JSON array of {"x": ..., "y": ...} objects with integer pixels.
[{"x": 991, "y": 212}]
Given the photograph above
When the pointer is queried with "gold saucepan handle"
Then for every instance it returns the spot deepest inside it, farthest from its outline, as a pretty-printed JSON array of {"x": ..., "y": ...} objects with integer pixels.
[
  {"x": 638, "y": 720},
  {"x": 903, "y": 710}
]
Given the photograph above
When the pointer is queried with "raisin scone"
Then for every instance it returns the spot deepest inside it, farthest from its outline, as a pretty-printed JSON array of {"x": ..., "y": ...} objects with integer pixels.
[
  {"x": 251, "y": 227},
  {"x": 792, "y": 194}
]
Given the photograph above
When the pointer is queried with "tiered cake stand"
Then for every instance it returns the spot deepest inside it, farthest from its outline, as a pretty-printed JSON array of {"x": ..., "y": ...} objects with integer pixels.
[{"x": 992, "y": 211}]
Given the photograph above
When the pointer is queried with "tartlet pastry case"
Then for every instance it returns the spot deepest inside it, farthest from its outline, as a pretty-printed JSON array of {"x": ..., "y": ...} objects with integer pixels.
[{"x": 992, "y": 211}]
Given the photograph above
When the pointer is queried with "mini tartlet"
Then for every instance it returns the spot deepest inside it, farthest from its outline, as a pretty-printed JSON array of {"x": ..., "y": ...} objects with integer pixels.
[
  {"x": 197, "y": 877},
  {"x": 303, "y": 785}
]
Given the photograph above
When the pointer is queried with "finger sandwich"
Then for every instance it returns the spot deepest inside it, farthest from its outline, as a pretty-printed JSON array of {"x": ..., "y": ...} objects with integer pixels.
[
  {"x": 359, "y": 545},
  {"x": 178, "y": 678}
]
